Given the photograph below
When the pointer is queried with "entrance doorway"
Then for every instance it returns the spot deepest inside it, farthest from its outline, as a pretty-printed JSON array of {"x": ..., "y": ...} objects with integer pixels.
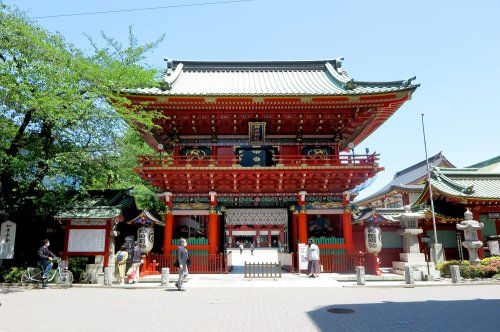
[{"x": 265, "y": 228}]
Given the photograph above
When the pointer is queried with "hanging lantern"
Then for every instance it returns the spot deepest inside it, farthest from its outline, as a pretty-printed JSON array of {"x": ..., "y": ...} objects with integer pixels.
[
  {"x": 373, "y": 238},
  {"x": 145, "y": 236}
]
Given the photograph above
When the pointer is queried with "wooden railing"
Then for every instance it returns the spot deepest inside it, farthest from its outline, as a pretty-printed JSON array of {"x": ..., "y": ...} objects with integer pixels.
[
  {"x": 262, "y": 270},
  {"x": 212, "y": 263},
  {"x": 341, "y": 262},
  {"x": 278, "y": 160}
]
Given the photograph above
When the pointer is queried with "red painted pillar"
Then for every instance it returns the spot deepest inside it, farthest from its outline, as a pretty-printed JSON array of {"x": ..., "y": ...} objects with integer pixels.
[
  {"x": 212, "y": 224},
  {"x": 295, "y": 233},
  {"x": 169, "y": 223},
  {"x": 269, "y": 241},
  {"x": 67, "y": 227},
  {"x": 106, "y": 242},
  {"x": 347, "y": 227},
  {"x": 302, "y": 218}
]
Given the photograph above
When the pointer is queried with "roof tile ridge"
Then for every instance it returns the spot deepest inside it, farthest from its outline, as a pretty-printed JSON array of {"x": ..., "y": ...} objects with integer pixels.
[{"x": 449, "y": 182}]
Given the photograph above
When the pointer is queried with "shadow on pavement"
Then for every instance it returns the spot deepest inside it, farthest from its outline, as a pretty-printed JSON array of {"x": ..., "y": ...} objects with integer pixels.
[
  {"x": 461, "y": 315},
  {"x": 13, "y": 289}
]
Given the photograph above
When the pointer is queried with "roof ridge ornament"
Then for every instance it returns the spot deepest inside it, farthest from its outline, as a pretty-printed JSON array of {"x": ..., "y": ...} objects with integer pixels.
[
  {"x": 408, "y": 82},
  {"x": 338, "y": 65},
  {"x": 351, "y": 85}
]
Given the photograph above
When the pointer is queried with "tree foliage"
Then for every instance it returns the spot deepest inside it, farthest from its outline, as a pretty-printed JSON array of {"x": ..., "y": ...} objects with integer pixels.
[{"x": 63, "y": 126}]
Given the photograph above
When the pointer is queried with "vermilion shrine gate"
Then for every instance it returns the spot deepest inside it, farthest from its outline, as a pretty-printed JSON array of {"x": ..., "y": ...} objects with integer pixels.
[{"x": 258, "y": 151}]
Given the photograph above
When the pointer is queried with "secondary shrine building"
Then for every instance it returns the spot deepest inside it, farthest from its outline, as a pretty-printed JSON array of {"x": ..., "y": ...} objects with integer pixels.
[{"x": 261, "y": 151}]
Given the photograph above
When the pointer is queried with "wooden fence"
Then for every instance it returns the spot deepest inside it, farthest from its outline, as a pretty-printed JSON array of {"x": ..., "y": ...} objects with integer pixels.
[{"x": 262, "y": 270}]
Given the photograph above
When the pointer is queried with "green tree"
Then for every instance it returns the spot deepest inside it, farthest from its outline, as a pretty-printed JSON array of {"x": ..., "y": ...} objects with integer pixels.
[{"x": 63, "y": 124}]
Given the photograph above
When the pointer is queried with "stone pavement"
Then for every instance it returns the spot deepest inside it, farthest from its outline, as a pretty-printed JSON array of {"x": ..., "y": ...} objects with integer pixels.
[{"x": 472, "y": 308}]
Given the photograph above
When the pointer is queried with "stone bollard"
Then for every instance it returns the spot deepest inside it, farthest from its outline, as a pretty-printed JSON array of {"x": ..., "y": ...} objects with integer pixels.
[
  {"x": 409, "y": 277},
  {"x": 107, "y": 276},
  {"x": 165, "y": 274},
  {"x": 360, "y": 275},
  {"x": 455, "y": 274}
]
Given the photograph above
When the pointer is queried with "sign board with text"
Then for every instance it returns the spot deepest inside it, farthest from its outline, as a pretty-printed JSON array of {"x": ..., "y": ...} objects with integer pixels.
[
  {"x": 86, "y": 240},
  {"x": 302, "y": 254},
  {"x": 7, "y": 239}
]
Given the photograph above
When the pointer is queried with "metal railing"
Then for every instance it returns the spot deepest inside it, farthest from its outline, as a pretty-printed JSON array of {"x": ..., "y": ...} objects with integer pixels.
[
  {"x": 262, "y": 270},
  {"x": 278, "y": 161}
]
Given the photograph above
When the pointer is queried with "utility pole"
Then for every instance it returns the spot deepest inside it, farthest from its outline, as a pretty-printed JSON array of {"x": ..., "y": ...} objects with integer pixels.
[{"x": 436, "y": 246}]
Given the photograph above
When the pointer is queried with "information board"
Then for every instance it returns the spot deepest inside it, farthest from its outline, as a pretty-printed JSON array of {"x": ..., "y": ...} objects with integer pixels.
[
  {"x": 86, "y": 240},
  {"x": 302, "y": 256}
]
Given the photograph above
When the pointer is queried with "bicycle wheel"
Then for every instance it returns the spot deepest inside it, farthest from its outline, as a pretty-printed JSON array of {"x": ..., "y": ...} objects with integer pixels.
[
  {"x": 70, "y": 277},
  {"x": 63, "y": 279},
  {"x": 31, "y": 277}
]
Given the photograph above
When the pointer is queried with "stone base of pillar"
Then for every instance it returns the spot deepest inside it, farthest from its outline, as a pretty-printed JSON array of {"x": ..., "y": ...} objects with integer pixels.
[{"x": 421, "y": 267}]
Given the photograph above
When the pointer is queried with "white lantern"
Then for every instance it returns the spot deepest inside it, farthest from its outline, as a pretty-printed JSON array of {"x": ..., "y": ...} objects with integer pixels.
[
  {"x": 145, "y": 236},
  {"x": 373, "y": 239}
]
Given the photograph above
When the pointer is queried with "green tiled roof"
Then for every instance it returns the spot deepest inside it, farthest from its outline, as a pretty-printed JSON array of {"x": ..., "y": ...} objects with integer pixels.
[
  {"x": 101, "y": 204},
  {"x": 472, "y": 183}
]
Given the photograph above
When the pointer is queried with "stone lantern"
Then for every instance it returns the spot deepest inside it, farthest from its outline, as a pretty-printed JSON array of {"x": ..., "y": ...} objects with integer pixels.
[
  {"x": 411, "y": 255},
  {"x": 472, "y": 243}
]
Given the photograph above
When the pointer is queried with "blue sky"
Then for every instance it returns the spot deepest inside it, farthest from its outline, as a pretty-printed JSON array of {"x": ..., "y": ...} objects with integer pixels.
[{"x": 451, "y": 46}]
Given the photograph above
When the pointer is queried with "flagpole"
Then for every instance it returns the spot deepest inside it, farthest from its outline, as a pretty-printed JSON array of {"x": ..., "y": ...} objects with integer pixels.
[{"x": 429, "y": 184}]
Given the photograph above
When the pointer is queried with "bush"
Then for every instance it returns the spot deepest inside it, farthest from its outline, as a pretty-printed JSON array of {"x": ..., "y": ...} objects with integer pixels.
[
  {"x": 486, "y": 268},
  {"x": 12, "y": 275},
  {"x": 444, "y": 267},
  {"x": 77, "y": 266}
]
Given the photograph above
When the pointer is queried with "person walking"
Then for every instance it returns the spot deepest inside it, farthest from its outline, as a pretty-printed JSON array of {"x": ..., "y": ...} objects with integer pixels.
[
  {"x": 313, "y": 259},
  {"x": 252, "y": 247},
  {"x": 182, "y": 263},
  {"x": 121, "y": 262},
  {"x": 241, "y": 248},
  {"x": 136, "y": 262}
]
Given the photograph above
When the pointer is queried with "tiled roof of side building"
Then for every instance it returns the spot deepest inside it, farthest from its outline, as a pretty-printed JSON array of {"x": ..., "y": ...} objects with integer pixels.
[
  {"x": 101, "y": 204},
  {"x": 266, "y": 78},
  {"x": 472, "y": 183},
  {"x": 406, "y": 180}
]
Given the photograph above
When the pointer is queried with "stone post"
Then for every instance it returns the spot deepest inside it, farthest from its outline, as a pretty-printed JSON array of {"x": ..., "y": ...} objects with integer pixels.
[
  {"x": 107, "y": 276},
  {"x": 165, "y": 274},
  {"x": 472, "y": 243},
  {"x": 360, "y": 275},
  {"x": 409, "y": 277},
  {"x": 455, "y": 274}
]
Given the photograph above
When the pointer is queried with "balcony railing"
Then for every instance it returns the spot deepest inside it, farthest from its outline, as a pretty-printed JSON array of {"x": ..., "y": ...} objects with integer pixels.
[{"x": 278, "y": 161}]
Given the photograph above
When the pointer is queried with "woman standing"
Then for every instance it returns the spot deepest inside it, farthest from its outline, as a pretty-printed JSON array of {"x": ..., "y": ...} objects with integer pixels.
[
  {"x": 121, "y": 262},
  {"x": 313, "y": 259}
]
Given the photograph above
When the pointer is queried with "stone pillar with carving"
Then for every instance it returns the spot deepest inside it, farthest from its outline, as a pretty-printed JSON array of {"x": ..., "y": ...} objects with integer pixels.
[{"x": 472, "y": 243}]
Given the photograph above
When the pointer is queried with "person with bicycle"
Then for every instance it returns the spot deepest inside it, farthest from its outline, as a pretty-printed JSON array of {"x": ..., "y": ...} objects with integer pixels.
[{"x": 46, "y": 257}]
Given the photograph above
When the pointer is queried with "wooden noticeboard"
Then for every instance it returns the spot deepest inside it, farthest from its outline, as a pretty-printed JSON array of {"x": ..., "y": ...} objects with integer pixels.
[{"x": 88, "y": 237}]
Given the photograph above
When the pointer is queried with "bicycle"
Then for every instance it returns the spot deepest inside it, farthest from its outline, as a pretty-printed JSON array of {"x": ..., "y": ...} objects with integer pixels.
[{"x": 62, "y": 277}]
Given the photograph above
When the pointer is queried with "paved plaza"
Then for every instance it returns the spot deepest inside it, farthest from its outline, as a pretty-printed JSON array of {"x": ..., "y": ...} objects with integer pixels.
[{"x": 465, "y": 308}]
